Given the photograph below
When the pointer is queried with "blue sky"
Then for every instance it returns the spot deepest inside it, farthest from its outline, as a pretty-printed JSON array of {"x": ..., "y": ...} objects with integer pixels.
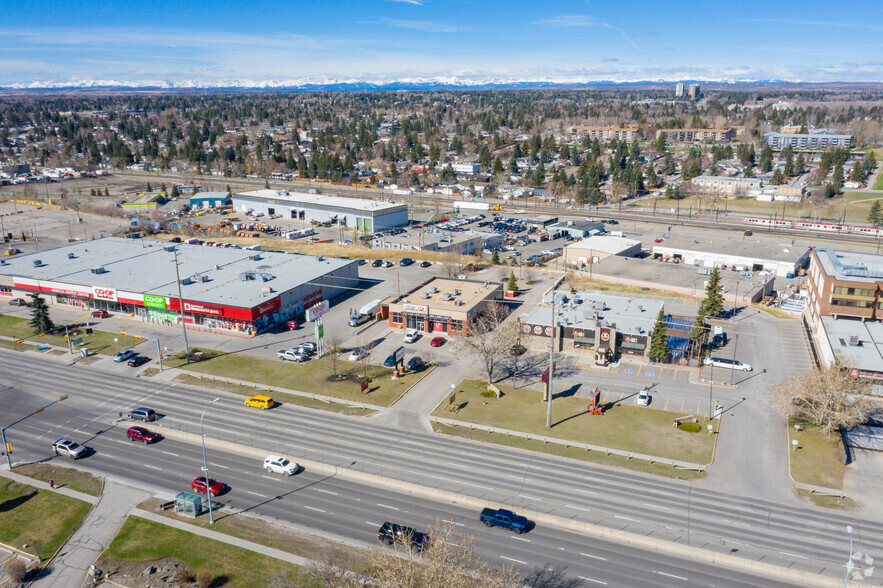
[{"x": 221, "y": 41}]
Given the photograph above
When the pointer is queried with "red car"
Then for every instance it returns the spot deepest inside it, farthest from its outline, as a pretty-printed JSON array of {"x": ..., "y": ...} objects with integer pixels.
[
  {"x": 659, "y": 240},
  {"x": 437, "y": 341},
  {"x": 100, "y": 313},
  {"x": 214, "y": 487},
  {"x": 141, "y": 434}
]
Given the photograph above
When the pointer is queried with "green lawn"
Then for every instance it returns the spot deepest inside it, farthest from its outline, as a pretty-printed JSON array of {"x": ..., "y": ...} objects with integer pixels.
[
  {"x": 817, "y": 461},
  {"x": 314, "y": 376},
  {"x": 142, "y": 541},
  {"x": 622, "y": 426},
  {"x": 878, "y": 185},
  {"x": 282, "y": 397},
  {"x": 64, "y": 477},
  {"x": 98, "y": 341},
  {"x": 37, "y": 517}
]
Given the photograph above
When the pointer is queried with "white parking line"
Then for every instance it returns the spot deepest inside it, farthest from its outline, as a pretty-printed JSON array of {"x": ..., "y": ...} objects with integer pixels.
[
  {"x": 311, "y": 508},
  {"x": 671, "y": 576},
  {"x": 626, "y": 518},
  {"x": 372, "y": 524},
  {"x": 326, "y": 491},
  {"x": 656, "y": 506},
  {"x": 591, "y": 580},
  {"x": 594, "y": 556},
  {"x": 255, "y": 493},
  {"x": 386, "y": 506},
  {"x": 524, "y": 563},
  {"x": 456, "y": 465},
  {"x": 151, "y": 467}
]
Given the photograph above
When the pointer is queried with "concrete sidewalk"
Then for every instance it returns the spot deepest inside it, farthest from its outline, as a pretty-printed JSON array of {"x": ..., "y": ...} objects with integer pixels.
[{"x": 98, "y": 529}]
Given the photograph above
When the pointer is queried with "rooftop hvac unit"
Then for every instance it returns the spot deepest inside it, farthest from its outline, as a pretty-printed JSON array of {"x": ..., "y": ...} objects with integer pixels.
[
  {"x": 202, "y": 278},
  {"x": 168, "y": 247},
  {"x": 71, "y": 256},
  {"x": 217, "y": 267},
  {"x": 254, "y": 256},
  {"x": 98, "y": 270},
  {"x": 246, "y": 276},
  {"x": 854, "y": 341},
  {"x": 640, "y": 308},
  {"x": 458, "y": 302},
  {"x": 446, "y": 297},
  {"x": 434, "y": 290},
  {"x": 37, "y": 263},
  {"x": 266, "y": 290},
  {"x": 424, "y": 295},
  {"x": 455, "y": 292}
]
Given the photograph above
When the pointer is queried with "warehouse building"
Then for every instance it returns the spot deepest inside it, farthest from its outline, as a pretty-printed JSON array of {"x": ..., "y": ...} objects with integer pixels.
[
  {"x": 594, "y": 249},
  {"x": 210, "y": 199},
  {"x": 746, "y": 256},
  {"x": 364, "y": 215},
  {"x": 222, "y": 289},
  {"x": 575, "y": 229},
  {"x": 442, "y": 305}
]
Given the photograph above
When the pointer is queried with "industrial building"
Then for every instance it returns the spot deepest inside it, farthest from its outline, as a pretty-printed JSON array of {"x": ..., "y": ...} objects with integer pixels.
[
  {"x": 442, "y": 305},
  {"x": 594, "y": 249},
  {"x": 597, "y": 324},
  {"x": 575, "y": 229},
  {"x": 747, "y": 256},
  {"x": 210, "y": 199},
  {"x": 459, "y": 243},
  {"x": 365, "y": 215},
  {"x": 221, "y": 289}
]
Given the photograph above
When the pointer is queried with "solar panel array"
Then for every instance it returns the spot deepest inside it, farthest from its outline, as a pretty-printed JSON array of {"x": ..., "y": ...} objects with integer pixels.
[
  {"x": 678, "y": 323},
  {"x": 678, "y": 343}
]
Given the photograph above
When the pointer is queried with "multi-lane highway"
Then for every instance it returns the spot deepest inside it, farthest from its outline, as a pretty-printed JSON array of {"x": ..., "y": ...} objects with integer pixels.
[{"x": 801, "y": 538}]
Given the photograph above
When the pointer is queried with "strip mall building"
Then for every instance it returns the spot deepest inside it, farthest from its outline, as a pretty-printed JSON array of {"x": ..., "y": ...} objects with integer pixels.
[{"x": 222, "y": 289}]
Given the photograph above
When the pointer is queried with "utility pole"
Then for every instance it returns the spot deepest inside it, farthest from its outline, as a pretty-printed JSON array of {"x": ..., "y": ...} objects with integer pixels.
[
  {"x": 7, "y": 448},
  {"x": 735, "y": 343},
  {"x": 551, "y": 357},
  {"x": 181, "y": 305}
]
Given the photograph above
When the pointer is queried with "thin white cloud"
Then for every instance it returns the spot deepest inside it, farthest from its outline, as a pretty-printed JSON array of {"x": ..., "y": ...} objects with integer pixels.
[
  {"x": 412, "y": 2},
  {"x": 567, "y": 20},
  {"x": 624, "y": 36},
  {"x": 818, "y": 23},
  {"x": 426, "y": 26}
]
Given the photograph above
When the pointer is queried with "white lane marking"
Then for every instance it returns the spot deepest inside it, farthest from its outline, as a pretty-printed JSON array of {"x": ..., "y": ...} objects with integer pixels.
[
  {"x": 531, "y": 498},
  {"x": 560, "y": 549},
  {"x": 118, "y": 441},
  {"x": 520, "y": 539},
  {"x": 170, "y": 453},
  {"x": 386, "y": 506},
  {"x": 217, "y": 465},
  {"x": 514, "y": 477},
  {"x": 524, "y": 563},
  {"x": 111, "y": 456},
  {"x": 656, "y": 506},
  {"x": 151, "y": 467},
  {"x": 591, "y": 580},
  {"x": 594, "y": 556},
  {"x": 311, "y": 508},
  {"x": 255, "y": 493},
  {"x": 271, "y": 478},
  {"x": 456, "y": 465},
  {"x": 453, "y": 523},
  {"x": 370, "y": 523},
  {"x": 793, "y": 555},
  {"x": 578, "y": 507},
  {"x": 326, "y": 491},
  {"x": 626, "y": 518},
  {"x": 584, "y": 491},
  {"x": 671, "y": 576}
]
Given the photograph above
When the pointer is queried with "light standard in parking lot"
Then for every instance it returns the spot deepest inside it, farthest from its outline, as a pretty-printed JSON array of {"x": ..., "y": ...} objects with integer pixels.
[
  {"x": 181, "y": 305},
  {"x": 205, "y": 464}
]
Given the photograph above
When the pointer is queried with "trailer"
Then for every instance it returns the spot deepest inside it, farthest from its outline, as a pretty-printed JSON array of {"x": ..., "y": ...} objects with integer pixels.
[{"x": 472, "y": 205}]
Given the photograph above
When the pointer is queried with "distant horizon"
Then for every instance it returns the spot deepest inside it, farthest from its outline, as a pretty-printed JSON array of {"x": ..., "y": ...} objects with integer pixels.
[{"x": 75, "y": 43}]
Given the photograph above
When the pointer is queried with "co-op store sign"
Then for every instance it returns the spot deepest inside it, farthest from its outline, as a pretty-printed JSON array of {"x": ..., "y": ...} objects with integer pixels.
[
  {"x": 103, "y": 293},
  {"x": 152, "y": 301}
]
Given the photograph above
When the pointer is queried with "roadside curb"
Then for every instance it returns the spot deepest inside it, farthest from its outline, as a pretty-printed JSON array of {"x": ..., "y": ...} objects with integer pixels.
[
  {"x": 411, "y": 387},
  {"x": 622, "y": 537}
]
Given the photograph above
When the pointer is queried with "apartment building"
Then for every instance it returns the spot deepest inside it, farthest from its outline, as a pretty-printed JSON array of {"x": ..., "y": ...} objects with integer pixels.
[
  {"x": 604, "y": 133},
  {"x": 816, "y": 139},
  {"x": 725, "y": 186},
  {"x": 697, "y": 135}
]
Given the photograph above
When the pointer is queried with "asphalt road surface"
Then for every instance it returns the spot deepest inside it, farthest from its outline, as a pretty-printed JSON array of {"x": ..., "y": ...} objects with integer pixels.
[{"x": 802, "y": 538}]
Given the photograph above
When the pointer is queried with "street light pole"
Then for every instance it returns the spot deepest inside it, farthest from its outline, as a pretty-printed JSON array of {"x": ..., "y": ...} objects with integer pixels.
[
  {"x": 205, "y": 464},
  {"x": 181, "y": 305},
  {"x": 6, "y": 449},
  {"x": 848, "y": 563}
]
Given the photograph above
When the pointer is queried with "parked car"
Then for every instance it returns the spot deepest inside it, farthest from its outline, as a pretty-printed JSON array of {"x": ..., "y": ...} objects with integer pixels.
[
  {"x": 18, "y": 302},
  {"x": 358, "y": 354},
  {"x": 358, "y": 319},
  {"x": 141, "y": 434},
  {"x": 732, "y": 364},
  {"x": 100, "y": 314},
  {"x": 412, "y": 336},
  {"x": 276, "y": 464},
  {"x": 387, "y": 263},
  {"x": 121, "y": 356},
  {"x": 295, "y": 355},
  {"x": 437, "y": 341},
  {"x": 377, "y": 263},
  {"x": 71, "y": 449},
  {"x": 425, "y": 264},
  {"x": 415, "y": 364},
  {"x": 644, "y": 398},
  {"x": 308, "y": 347},
  {"x": 260, "y": 401},
  {"x": 214, "y": 487},
  {"x": 389, "y": 533},
  {"x": 138, "y": 361},
  {"x": 390, "y": 361},
  {"x": 406, "y": 261},
  {"x": 148, "y": 415}
]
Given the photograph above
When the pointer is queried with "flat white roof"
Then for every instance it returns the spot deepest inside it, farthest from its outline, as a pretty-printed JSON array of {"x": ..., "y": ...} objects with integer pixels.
[{"x": 304, "y": 199}]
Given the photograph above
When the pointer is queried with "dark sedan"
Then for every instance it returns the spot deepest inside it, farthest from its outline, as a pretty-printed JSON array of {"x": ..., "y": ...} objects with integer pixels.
[{"x": 138, "y": 361}]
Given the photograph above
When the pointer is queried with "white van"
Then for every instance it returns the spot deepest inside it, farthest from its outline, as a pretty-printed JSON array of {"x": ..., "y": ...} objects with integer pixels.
[
  {"x": 412, "y": 336},
  {"x": 732, "y": 364}
]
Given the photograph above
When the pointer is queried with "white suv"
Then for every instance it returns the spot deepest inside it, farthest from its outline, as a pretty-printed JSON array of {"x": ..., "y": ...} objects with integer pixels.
[
  {"x": 280, "y": 465},
  {"x": 412, "y": 336}
]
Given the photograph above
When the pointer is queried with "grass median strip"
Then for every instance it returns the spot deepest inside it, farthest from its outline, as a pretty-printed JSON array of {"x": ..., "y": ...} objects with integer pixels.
[
  {"x": 208, "y": 382},
  {"x": 316, "y": 375},
  {"x": 622, "y": 426},
  {"x": 70, "y": 478},
  {"x": 31, "y": 517},
  {"x": 140, "y": 543},
  {"x": 817, "y": 459},
  {"x": 101, "y": 342}
]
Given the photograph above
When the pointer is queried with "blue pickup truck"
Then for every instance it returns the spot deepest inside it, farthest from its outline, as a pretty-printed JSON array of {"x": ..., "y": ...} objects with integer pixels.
[{"x": 503, "y": 518}]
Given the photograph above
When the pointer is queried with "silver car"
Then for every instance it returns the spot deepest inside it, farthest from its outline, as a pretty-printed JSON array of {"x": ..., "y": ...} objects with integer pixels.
[{"x": 68, "y": 448}]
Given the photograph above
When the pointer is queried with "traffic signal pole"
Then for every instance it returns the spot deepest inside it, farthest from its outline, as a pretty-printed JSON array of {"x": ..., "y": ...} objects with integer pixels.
[{"x": 7, "y": 449}]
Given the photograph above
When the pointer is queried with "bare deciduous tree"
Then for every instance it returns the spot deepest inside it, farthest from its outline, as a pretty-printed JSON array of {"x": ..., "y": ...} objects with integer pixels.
[
  {"x": 491, "y": 336},
  {"x": 332, "y": 349},
  {"x": 827, "y": 395}
]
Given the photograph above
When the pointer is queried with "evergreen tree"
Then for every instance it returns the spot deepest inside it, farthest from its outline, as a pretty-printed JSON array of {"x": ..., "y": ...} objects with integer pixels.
[
  {"x": 698, "y": 329},
  {"x": 857, "y": 174},
  {"x": 266, "y": 184},
  {"x": 498, "y": 167},
  {"x": 651, "y": 176},
  {"x": 495, "y": 258},
  {"x": 799, "y": 164},
  {"x": 668, "y": 164},
  {"x": 149, "y": 188},
  {"x": 539, "y": 176},
  {"x": 175, "y": 192},
  {"x": 875, "y": 215},
  {"x": 512, "y": 285},
  {"x": 659, "y": 146},
  {"x": 837, "y": 179},
  {"x": 766, "y": 159},
  {"x": 659, "y": 339},
  {"x": 869, "y": 163},
  {"x": 713, "y": 305},
  {"x": 92, "y": 192},
  {"x": 40, "y": 320},
  {"x": 163, "y": 188},
  {"x": 106, "y": 192}
]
